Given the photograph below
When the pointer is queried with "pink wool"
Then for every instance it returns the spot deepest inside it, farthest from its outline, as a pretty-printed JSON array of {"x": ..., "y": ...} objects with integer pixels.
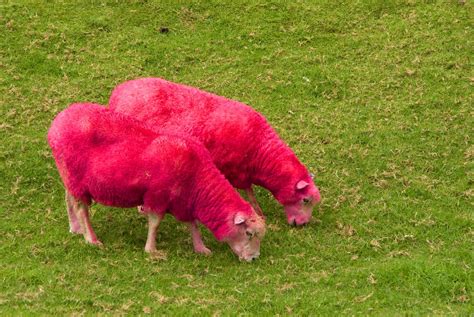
[
  {"x": 242, "y": 144},
  {"x": 114, "y": 160}
]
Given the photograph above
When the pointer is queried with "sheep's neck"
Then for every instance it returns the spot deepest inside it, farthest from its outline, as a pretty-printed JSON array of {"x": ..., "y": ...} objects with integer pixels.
[{"x": 274, "y": 162}]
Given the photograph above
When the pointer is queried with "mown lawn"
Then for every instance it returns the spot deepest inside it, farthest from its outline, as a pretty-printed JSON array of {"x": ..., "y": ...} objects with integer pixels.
[{"x": 374, "y": 96}]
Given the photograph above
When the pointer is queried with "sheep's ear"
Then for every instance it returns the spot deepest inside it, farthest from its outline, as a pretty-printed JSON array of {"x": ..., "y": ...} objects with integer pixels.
[
  {"x": 301, "y": 184},
  {"x": 239, "y": 219}
]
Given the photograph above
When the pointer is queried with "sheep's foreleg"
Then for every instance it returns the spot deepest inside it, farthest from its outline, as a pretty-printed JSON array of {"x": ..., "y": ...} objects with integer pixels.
[
  {"x": 198, "y": 244},
  {"x": 253, "y": 201}
]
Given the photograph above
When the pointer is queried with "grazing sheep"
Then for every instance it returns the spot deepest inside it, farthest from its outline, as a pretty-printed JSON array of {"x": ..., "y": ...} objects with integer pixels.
[
  {"x": 242, "y": 144},
  {"x": 115, "y": 160}
]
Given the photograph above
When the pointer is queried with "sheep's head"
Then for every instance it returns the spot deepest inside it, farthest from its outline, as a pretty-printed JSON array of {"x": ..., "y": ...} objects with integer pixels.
[
  {"x": 245, "y": 239},
  {"x": 304, "y": 195}
]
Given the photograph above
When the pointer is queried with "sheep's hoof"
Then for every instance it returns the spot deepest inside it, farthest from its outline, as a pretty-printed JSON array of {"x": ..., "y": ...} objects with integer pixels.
[
  {"x": 203, "y": 250},
  {"x": 97, "y": 243}
]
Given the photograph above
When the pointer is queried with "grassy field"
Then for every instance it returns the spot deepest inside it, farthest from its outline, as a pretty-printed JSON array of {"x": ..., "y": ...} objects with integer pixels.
[{"x": 374, "y": 96}]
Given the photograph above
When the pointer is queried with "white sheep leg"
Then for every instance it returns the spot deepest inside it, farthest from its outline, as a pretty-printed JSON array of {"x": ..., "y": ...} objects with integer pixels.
[
  {"x": 74, "y": 225},
  {"x": 153, "y": 223}
]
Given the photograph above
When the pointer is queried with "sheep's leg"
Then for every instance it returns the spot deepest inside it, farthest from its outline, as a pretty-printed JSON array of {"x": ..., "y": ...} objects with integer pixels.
[
  {"x": 153, "y": 223},
  {"x": 253, "y": 201},
  {"x": 74, "y": 225},
  {"x": 82, "y": 213},
  {"x": 198, "y": 244}
]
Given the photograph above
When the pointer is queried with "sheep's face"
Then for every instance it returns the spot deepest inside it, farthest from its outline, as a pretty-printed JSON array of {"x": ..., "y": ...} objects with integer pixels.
[
  {"x": 245, "y": 239},
  {"x": 299, "y": 211}
]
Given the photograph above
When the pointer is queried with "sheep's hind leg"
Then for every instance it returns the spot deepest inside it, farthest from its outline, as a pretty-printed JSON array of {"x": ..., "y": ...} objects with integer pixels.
[
  {"x": 82, "y": 213},
  {"x": 74, "y": 225},
  {"x": 253, "y": 201},
  {"x": 153, "y": 223},
  {"x": 198, "y": 244}
]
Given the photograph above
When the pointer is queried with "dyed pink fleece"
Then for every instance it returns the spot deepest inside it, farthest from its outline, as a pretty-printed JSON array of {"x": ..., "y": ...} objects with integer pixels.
[
  {"x": 115, "y": 160},
  {"x": 242, "y": 144}
]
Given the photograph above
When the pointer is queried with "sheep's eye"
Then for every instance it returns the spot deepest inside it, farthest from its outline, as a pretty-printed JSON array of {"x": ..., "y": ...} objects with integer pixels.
[
  {"x": 306, "y": 201},
  {"x": 249, "y": 234}
]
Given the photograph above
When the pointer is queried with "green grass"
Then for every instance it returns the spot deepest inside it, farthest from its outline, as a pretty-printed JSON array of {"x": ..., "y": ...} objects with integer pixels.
[{"x": 374, "y": 96}]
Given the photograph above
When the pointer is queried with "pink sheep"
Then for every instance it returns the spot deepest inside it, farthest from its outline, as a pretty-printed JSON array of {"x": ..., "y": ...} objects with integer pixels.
[
  {"x": 116, "y": 161},
  {"x": 242, "y": 144}
]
